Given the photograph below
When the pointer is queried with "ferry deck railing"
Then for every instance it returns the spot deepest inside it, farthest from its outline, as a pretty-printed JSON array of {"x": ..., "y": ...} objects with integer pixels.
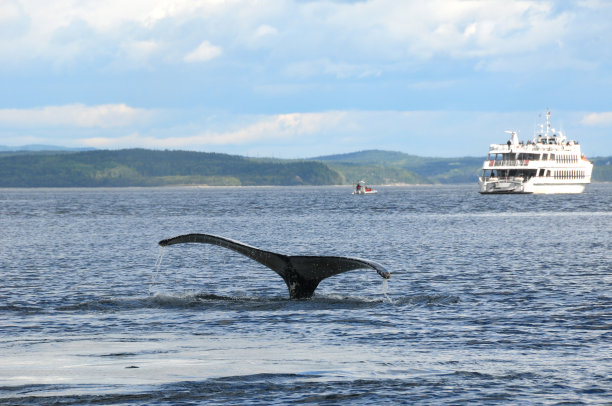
[{"x": 513, "y": 162}]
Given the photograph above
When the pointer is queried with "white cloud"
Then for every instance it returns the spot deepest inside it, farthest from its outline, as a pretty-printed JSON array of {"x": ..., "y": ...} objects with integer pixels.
[
  {"x": 460, "y": 29},
  {"x": 139, "y": 52},
  {"x": 262, "y": 128},
  {"x": 598, "y": 119},
  {"x": 127, "y": 141},
  {"x": 204, "y": 52},
  {"x": 13, "y": 19},
  {"x": 294, "y": 135},
  {"x": 359, "y": 39},
  {"x": 265, "y": 30},
  {"x": 340, "y": 70},
  {"x": 74, "y": 115},
  {"x": 279, "y": 126}
]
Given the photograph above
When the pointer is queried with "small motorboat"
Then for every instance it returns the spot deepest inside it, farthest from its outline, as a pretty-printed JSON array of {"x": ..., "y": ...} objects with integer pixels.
[{"x": 362, "y": 188}]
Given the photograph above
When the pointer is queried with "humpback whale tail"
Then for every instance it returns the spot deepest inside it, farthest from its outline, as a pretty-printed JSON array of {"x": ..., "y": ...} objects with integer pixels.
[{"x": 301, "y": 273}]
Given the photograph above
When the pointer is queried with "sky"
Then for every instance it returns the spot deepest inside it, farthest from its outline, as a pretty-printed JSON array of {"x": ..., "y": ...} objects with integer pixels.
[{"x": 304, "y": 78}]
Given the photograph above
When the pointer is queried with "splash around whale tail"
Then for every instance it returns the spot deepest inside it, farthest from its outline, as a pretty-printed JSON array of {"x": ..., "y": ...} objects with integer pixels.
[{"x": 301, "y": 273}]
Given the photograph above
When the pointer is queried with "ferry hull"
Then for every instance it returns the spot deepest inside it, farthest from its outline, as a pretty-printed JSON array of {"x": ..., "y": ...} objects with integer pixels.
[
  {"x": 554, "y": 189},
  {"x": 518, "y": 187},
  {"x": 501, "y": 187}
]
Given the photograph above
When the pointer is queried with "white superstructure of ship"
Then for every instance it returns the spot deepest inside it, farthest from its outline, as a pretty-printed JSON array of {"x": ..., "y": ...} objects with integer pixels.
[{"x": 547, "y": 164}]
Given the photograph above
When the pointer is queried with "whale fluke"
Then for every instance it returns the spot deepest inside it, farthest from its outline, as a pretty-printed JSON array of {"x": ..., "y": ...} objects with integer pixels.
[{"x": 301, "y": 273}]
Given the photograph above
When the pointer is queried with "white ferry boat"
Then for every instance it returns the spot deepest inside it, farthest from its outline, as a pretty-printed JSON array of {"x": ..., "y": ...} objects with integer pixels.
[{"x": 547, "y": 164}]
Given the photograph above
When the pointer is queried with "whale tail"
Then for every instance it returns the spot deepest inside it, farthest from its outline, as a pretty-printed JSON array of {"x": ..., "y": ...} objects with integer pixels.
[{"x": 301, "y": 273}]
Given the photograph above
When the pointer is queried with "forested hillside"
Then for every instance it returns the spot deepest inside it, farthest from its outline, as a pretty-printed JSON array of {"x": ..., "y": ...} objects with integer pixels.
[
  {"x": 602, "y": 169},
  {"x": 387, "y": 167},
  {"x": 141, "y": 167}
]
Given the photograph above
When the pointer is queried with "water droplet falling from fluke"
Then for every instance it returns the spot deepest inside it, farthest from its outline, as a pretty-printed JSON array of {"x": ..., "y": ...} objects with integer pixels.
[
  {"x": 385, "y": 290},
  {"x": 158, "y": 262}
]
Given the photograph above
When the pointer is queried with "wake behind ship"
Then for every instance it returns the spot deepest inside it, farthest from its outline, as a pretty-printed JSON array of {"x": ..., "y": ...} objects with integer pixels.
[{"x": 547, "y": 164}]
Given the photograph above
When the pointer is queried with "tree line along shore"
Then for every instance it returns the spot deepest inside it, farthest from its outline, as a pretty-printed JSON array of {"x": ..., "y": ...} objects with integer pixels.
[{"x": 142, "y": 167}]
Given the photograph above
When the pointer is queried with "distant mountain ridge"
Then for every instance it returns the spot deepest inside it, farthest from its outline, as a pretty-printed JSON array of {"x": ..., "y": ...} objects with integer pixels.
[
  {"x": 142, "y": 167},
  {"x": 41, "y": 147},
  {"x": 391, "y": 167}
]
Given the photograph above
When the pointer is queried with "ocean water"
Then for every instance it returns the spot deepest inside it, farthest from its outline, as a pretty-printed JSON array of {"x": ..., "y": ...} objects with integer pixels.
[{"x": 492, "y": 299}]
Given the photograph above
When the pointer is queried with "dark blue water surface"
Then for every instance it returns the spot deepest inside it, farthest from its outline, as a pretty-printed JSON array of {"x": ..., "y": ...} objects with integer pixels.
[{"x": 492, "y": 299}]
